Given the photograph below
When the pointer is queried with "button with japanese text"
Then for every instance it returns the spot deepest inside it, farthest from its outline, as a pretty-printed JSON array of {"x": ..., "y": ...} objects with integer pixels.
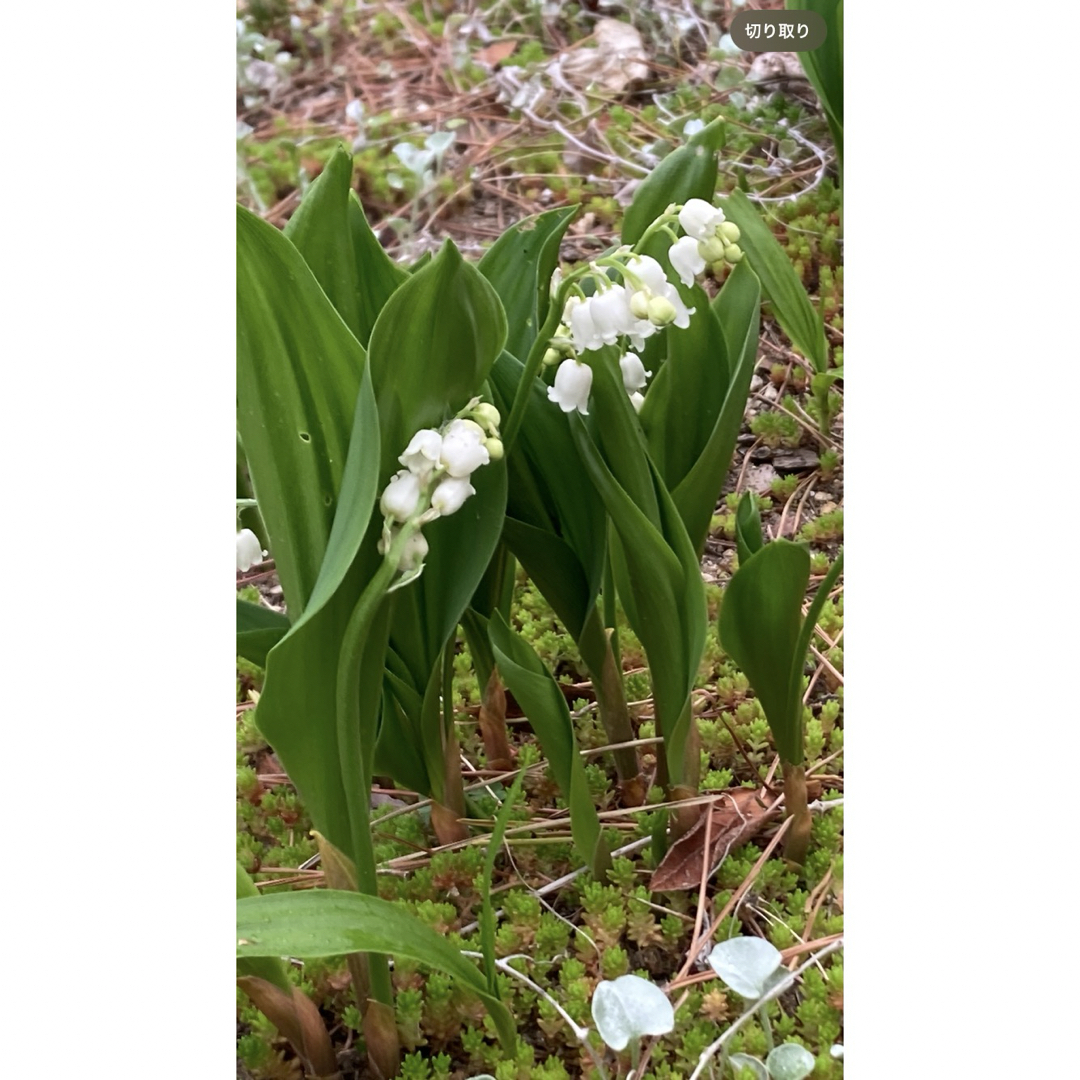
[{"x": 767, "y": 31}]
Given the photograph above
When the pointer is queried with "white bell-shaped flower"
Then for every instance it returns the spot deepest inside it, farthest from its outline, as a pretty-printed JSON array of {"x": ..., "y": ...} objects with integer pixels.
[
  {"x": 686, "y": 259},
  {"x": 402, "y": 496},
  {"x": 610, "y": 313},
  {"x": 451, "y": 494},
  {"x": 648, "y": 271},
  {"x": 573, "y": 381},
  {"x": 584, "y": 332},
  {"x": 422, "y": 453},
  {"x": 463, "y": 449},
  {"x": 634, "y": 375},
  {"x": 700, "y": 219},
  {"x": 637, "y": 400},
  {"x": 248, "y": 550}
]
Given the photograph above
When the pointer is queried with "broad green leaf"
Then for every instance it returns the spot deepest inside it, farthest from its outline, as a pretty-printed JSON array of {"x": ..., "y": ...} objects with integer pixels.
[
  {"x": 258, "y": 630},
  {"x": 298, "y": 375},
  {"x": 270, "y": 968},
  {"x": 686, "y": 173},
  {"x": 519, "y": 266},
  {"x": 687, "y": 393},
  {"x": 738, "y": 311},
  {"x": 824, "y": 66},
  {"x": 779, "y": 281},
  {"x": 298, "y": 710},
  {"x": 432, "y": 348},
  {"x": 543, "y": 702},
  {"x": 330, "y": 230},
  {"x": 378, "y": 274},
  {"x": 657, "y": 574},
  {"x": 760, "y": 623},
  {"x": 748, "y": 537},
  {"x": 320, "y": 232},
  {"x": 555, "y": 526},
  {"x": 318, "y": 923}
]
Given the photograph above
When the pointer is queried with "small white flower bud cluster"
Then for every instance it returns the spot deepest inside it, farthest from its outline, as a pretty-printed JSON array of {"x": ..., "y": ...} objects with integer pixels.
[
  {"x": 435, "y": 481},
  {"x": 709, "y": 239}
]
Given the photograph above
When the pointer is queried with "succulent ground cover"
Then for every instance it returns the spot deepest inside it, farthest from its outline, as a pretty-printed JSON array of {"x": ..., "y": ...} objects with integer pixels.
[{"x": 460, "y": 122}]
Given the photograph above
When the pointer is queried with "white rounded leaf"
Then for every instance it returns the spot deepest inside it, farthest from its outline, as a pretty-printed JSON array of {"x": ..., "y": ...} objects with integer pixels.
[
  {"x": 745, "y": 964},
  {"x": 629, "y": 1007},
  {"x": 745, "y": 1061},
  {"x": 790, "y": 1062}
]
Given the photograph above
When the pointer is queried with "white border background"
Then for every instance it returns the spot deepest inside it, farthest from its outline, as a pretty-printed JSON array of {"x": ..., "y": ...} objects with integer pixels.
[{"x": 118, "y": 415}]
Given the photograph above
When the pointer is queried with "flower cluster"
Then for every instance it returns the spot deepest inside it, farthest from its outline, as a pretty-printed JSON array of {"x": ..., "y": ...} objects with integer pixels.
[
  {"x": 643, "y": 303},
  {"x": 435, "y": 480},
  {"x": 709, "y": 239}
]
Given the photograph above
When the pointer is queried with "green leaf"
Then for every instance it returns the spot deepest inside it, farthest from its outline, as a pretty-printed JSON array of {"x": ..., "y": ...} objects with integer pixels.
[
  {"x": 824, "y": 66},
  {"x": 318, "y": 923},
  {"x": 270, "y": 968},
  {"x": 802, "y": 646},
  {"x": 748, "y": 538},
  {"x": 760, "y": 623},
  {"x": 298, "y": 375},
  {"x": 432, "y": 348},
  {"x": 543, "y": 702},
  {"x": 258, "y": 630},
  {"x": 657, "y": 574},
  {"x": 738, "y": 310},
  {"x": 519, "y": 266},
  {"x": 685, "y": 397},
  {"x": 330, "y": 231},
  {"x": 555, "y": 525},
  {"x": 297, "y": 710},
  {"x": 378, "y": 274},
  {"x": 779, "y": 280},
  {"x": 686, "y": 173}
]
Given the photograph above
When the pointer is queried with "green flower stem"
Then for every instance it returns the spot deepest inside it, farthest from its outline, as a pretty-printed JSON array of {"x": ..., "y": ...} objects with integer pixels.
[
  {"x": 364, "y": 629},
  {"x": 536, "y": 357},
  {"x": 766, "y": 1027},
  {"x": 660, "y": 223}
]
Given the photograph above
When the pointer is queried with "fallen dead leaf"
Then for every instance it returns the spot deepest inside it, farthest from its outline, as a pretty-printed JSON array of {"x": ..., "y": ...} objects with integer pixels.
[
  {"x": 616, "y": 61},
  {"x": 736, "y": 816},
  {"x": 495, "y": 53}
]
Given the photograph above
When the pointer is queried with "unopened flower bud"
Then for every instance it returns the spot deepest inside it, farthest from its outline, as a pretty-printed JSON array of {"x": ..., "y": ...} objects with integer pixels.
[
  {"x": 661, "y": 311},
  {"x": 639, "y": 304},
  {"x": 711, "y": 250},
  {"x": 730, "y": 232},
  {"x": 552, "y": 357},
  {"x": 494, "y": 447},
  {"x": 487, "y": 416},
  {"x": 733, "y": 253}
]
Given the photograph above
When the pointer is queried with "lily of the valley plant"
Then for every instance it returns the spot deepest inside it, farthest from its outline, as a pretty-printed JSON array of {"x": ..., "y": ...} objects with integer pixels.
[{"x": 412, "y": 437}]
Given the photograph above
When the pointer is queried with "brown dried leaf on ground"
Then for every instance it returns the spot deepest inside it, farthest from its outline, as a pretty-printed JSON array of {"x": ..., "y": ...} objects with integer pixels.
[
  {"x": 736, "y": 816},
  {"x": 616, "y": 61}
]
